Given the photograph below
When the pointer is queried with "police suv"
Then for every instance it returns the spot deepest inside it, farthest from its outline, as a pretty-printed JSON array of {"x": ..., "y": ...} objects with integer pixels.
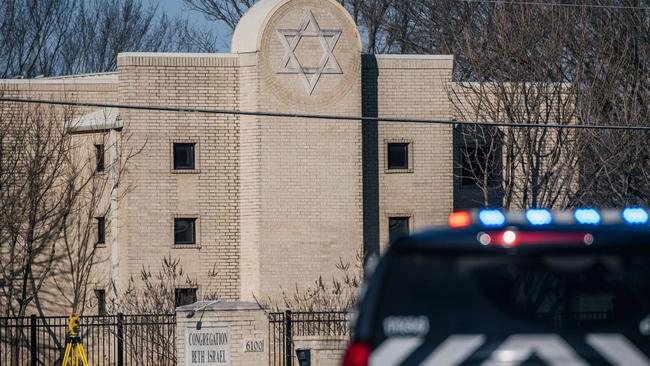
[{"x": 511, "y": 288}]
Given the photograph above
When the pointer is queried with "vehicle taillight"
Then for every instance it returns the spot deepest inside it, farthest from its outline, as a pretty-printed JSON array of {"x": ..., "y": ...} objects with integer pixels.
[{"x": 357, "y": 354}]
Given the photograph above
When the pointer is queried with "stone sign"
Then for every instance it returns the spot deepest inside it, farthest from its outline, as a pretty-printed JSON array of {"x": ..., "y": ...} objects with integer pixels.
[{"x": 208, "y": 345}]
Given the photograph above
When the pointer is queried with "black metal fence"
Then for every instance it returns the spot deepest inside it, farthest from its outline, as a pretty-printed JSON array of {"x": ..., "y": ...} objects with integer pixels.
[
  {"x": 287, "y": 325},
  {"x": 116, "y": 340},
  {"x": 147, "y": 340}
]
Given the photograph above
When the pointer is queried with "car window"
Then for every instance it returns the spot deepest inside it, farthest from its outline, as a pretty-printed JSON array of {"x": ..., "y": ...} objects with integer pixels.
[{"x": 442, "y": 295}]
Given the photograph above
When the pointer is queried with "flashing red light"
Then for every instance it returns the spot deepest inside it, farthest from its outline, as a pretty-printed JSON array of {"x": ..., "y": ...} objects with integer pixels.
[
  {"x": 460, "y": 219},
  {"x": 357, "y": 354},
  {"x": 511, "y": 238}
]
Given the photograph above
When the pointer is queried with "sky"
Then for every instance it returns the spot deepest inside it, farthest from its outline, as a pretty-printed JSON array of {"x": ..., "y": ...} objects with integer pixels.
[{"x": 177, "y": 7}]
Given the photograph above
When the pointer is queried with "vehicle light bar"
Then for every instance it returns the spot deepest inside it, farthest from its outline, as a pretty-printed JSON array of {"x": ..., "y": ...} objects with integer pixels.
[
  {"x": 587, "y": 216},
  {"x": 492, "y": 218},
  {"x": 538, "y": 217},
  {"x": 635, "y": 216},
  {"x": 460, "y": 219}
]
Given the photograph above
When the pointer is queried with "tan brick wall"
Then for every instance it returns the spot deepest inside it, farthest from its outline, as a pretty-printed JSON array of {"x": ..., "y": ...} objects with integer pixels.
[
  {"x": 414, "y": 87},
  {"x": 158, "y": 193},
  {"x": 251, "y": 179},
  {"x": 310, "y": 189}
]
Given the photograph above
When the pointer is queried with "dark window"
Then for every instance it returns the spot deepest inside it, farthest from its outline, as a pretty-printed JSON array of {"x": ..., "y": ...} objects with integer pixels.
[
  {"x": 475, "y": 165},
  {"x": 184, "y": 296},
  {"x": 101, "y": 302},
  {"x": 184, "y": 231},
  {"x": 398, "y": 227},
  {"x": 398, "y": 156},
  {"x": 101, "y": 230},
  {"x": 99, "y": 156},
  {"x": 506, "y": 294},
  {"x": 184, "y": 156}
]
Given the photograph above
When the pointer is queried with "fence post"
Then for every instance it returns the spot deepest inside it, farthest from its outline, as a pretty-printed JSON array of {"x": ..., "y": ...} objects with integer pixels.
[
  {"x": 32, "y": 343},
  {"x": 288, "y": 338},
  {"x": 120, "y": 339}
]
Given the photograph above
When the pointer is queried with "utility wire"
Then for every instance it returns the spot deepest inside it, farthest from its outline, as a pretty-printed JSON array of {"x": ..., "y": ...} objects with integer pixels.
[
  {"x": 572, "y": 5},
  {"x": 318, "y": 116}
]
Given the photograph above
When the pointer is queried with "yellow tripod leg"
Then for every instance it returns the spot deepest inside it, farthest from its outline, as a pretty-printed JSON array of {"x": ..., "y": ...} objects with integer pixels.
[
  {"x": 84, "y": 359},
  {"x": 66, "y": 355}
]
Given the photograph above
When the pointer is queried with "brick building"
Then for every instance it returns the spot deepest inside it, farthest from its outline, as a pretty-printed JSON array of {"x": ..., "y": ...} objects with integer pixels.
[{"x": 268, "y": 202}]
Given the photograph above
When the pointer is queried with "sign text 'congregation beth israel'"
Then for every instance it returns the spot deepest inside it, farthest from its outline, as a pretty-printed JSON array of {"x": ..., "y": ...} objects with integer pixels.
[{"x": 267, "y": 202}]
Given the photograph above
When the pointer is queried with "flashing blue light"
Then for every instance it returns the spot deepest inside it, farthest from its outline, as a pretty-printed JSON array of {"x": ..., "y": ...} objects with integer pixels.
[
  {"x": 492, "y": 218},
  {"x": 635, "y": 216},
  {"x": 539, "y": 217},
  {"x": 587, "y": 216}
]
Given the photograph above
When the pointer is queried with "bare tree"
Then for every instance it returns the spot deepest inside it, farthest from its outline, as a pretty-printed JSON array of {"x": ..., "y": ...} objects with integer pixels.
[
  {"x": 59, "y": 37},
  {"x": 227, "y": 12},
  {"x": 520, "y": 79},
  {"x": 191, "y": 39},
  {"x": 615, "y": 90},
  {"x": 374, "y": 16},
  {"x": 38, "y": 193},
  {"x": 336, "y": 294},
  {"x": 31, "y": 33},
  {"x": 51, "y": 196},
  {"x": 100, "y": 30},
  {"x": 153, "y": 292},
  {"x": 369, "y": 14},
  {"x": 433, "y": 27},
  {"x": 600, "y": 58},
  {"x": 88, "y": 225}
]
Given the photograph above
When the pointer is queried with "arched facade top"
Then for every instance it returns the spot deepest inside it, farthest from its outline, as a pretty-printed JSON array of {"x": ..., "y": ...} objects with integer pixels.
[{"x": 247, "y": 37}]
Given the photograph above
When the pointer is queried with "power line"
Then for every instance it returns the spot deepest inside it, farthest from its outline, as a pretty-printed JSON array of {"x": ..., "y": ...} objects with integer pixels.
[
  {"x": 317, "y": 116},
  {"x": 514, "y": 2}
]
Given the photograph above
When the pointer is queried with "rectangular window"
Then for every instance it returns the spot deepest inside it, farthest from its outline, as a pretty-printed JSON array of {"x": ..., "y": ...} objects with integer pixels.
[
  {"x": 99, "y": 157},
  {"x": 184, "y": 231},
  {"x": 101, "y": 230},
  {"x": 184, "y": 156},
  {"x": 184, "y": 296},
  {"x": 398, "y": 227},
  {"x": 101, "y": 302},
  {"x": 398, "y": 155}
]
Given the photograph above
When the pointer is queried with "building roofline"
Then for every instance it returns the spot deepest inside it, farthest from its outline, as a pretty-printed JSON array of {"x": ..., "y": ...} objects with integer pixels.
[
  {"x": 76, "y": 76},
  {"x": 58, "y": 81},
  {"x": 414, "y": 57},
  {"x": 176, "y": 54},
  {"x": 92, "y": 78}
]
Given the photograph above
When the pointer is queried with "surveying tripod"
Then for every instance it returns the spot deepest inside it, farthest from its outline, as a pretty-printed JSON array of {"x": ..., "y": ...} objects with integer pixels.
[{"x": 74, "y": 350}]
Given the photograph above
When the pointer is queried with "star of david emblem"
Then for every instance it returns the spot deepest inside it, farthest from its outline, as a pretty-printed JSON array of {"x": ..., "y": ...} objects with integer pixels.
[{"x": 290, "y": 38}]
